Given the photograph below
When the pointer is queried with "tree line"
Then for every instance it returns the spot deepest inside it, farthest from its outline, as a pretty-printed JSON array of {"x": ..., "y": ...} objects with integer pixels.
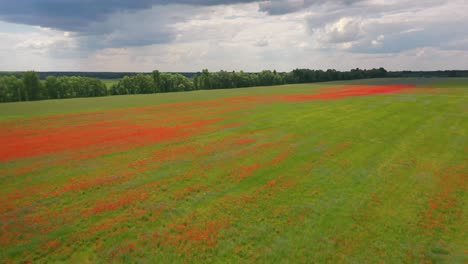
[
  {"x": 158, "y": 82},
  {"x": 191, "y": 75},
  {"x": 29, "y": 86}
]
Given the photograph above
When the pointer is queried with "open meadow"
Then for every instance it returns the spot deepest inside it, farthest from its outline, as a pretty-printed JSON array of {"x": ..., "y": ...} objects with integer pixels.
[{"x": 370, "y": 171}]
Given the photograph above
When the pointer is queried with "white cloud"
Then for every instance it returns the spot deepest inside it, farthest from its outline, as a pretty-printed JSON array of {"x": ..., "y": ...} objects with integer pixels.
[
  {"x": 303, "y": 33},
  {"x": 346, "y": 29},
  {"x": 389, "y": 27}
]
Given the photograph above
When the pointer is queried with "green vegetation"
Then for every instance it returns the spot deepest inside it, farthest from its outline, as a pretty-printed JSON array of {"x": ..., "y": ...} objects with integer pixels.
[
  {"x": 110, "y": 82},
  {"x": 165, "y": 82},
  {"x": 31, "y": 89},
  {"x": 240, "y": 175}
]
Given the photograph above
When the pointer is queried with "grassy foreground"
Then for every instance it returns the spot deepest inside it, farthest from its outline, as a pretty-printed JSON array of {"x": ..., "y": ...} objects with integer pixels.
[{"x": 255, "y": 175}]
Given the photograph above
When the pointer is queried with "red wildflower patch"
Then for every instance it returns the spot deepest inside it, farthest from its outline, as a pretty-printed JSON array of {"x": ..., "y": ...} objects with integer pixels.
[
  {"x": 282, "y": 157},
  {"x": 94, "y": 135},
  {"x": 53, "y": 244},
  {"x": 445, "y": 205},
  {"x": 91, "y": 183},
  {"x": 246, "y": 171},
  {"x": 106, "y": 206},
  {"x": 122, "y": 131},
  {"x": 101, "y": 227},
  {"x": 348, "y": 91}
]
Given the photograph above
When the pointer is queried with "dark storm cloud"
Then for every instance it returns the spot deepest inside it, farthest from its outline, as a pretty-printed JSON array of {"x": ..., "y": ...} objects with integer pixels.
[
  {"x": 107, "y": 23},
  {"x": 70, "y": 15},
  {"x": 76, "y": 15},
  {"x": 281, "y": 7}
]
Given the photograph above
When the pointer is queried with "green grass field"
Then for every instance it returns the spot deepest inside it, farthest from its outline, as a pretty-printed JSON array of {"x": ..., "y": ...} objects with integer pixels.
[
  {"x": 110, "y": 82},
  {"x": 254, "y": 175}
]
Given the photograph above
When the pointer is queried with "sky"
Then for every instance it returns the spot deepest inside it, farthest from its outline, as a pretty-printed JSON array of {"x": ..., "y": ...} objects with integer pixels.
[{"x": 249, "y": 35}]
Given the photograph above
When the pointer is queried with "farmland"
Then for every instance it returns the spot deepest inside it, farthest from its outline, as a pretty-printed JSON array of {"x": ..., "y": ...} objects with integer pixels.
[{"x": 360, "y": 171}]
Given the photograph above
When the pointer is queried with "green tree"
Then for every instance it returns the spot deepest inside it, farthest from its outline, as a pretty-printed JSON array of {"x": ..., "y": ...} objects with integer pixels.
[
  {"x": 138, "y": 84},
  {"x": 205, "y": 80},
  {"x": 157, "y": 81},
  {"x": 145, "y": 83},
  {"x": 32, "y": 85},
  {"x": 53, "y": 87},
  {"x": 11, "y": 89}
]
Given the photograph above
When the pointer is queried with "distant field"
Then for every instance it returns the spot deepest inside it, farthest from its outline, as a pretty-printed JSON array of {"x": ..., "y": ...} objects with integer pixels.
[
  {"x": 110, "y": 82},
  {"x": 366, "y": 171}
]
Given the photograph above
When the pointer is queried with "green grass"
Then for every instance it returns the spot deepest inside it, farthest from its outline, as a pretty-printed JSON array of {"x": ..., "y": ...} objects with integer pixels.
[
  {"x": 357, "y": 180},
  {"x": 110, "y": 82},
  {"x": 66, "y": 106}
]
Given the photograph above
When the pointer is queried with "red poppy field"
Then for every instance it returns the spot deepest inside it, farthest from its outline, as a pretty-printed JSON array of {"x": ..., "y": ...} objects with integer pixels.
[{"x": 299, "y": 173}]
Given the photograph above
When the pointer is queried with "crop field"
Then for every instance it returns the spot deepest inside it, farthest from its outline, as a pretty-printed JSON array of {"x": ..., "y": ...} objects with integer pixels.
[{"x": 340, "y": 172}]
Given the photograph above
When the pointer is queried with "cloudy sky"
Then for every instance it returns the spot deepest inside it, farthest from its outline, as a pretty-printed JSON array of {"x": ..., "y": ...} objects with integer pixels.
[{"x": 251, "y": 35}]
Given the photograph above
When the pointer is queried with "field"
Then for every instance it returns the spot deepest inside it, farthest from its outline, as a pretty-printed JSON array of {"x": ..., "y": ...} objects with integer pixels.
[
  {"x": 109, "y": 82},
  {"x": 343, "y": 172}
]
